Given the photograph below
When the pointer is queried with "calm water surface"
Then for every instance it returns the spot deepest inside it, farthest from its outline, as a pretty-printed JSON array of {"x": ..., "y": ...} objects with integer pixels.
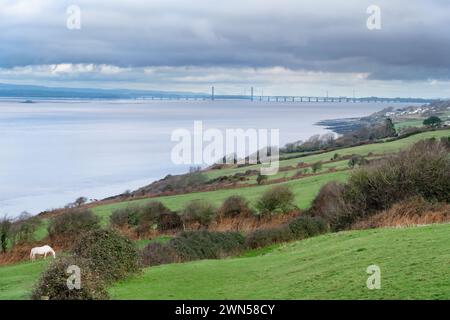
[{"x": 54, "y": 151}]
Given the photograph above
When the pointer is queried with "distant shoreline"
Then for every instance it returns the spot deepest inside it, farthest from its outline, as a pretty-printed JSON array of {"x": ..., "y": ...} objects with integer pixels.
[{"x": 341, "y": 126}]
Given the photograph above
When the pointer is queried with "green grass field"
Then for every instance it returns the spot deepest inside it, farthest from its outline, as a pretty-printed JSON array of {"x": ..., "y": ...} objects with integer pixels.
[
  {"x": 304, "y": 190},
  {"x": 17, "y": 281},
  {"x": 414, "y": 264},
  {"x": 378, "y": 148},
  {"x": 409, "y": 123}
]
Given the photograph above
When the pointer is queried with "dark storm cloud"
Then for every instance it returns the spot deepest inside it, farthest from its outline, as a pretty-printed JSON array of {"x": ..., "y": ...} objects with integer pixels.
[{"x": 324, "y": 35}]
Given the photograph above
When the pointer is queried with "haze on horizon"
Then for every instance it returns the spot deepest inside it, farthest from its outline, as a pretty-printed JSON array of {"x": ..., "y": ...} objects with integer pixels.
[{"x": 279, "y": 46}]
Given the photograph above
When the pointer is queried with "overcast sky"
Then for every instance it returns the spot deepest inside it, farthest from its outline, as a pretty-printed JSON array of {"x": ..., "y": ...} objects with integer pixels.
[{"x": 279, "y": 46}]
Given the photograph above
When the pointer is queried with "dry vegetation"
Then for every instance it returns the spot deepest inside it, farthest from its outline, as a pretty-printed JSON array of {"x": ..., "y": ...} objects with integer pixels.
[{"x": 411, "y": 212}]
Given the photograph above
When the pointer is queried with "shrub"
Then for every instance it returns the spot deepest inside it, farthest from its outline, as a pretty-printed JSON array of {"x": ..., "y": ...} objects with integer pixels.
[
  {"x": 73, "y": 222},
  {"x": 445, "y": 141},
  {"x": 260, "y": 179},
  {"x": 423, "y": 170},
  {"x": 336, "y": 156},
  {"x": 330, "y": 205},
  {"x": 307, "y": 226},
  {"x": 275, "y": 200},
  {"x": 150, "y": 212},
  {"x": 235, "y": 206},
  {"x": 316, "y": 166},
  {"x": 5, "y": 232},
  {"x": 169, "y": 221},
  {"x": 150, "y": 215},
  {"x": 357, "y": 159},
  {"x": 408, "y": 212},
  {"x": 52, "y": 284},
  {"x": 23, "y": 228},
  {"x": 139, "y": 215},
  {"x": 200, "y": 212},
  {"x": 157, "y": 253},
  {"x": 299, "y": 228},
  {"x": 128, "y": 216},
  {"x": 110, "y": 254},
  {"x": 146, "y": 217},
  {"x": 266, "y": 237},
  {"x": 196, "y": 245}
]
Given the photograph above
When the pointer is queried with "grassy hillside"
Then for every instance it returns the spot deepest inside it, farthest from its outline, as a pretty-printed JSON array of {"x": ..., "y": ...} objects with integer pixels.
[
  {"x": 378, "y": 148},
  {"x": 414, "y": 264},
  {"x": 304, "y": 189},
  {"x": 16, "y": 281},
  {"x": 409, "y": 123}
]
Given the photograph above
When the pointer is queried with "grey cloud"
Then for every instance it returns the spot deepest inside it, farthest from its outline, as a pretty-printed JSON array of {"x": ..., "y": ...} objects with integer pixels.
[{"x": 300, "y": 35}]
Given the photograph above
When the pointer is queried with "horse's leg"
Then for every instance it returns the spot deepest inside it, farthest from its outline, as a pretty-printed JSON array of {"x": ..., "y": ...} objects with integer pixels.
[{"x": 45, "y": 255}]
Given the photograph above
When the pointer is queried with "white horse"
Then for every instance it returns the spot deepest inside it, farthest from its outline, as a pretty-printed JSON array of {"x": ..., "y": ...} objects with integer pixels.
[{"x": 42, "y": 251}]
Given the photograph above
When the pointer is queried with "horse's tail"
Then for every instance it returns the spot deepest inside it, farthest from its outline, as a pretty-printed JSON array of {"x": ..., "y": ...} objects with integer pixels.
[{"x": 31, "y": 254}]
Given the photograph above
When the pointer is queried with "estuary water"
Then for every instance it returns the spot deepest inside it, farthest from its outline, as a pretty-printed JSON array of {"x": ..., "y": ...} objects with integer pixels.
[{"x": 52, "y": 152}]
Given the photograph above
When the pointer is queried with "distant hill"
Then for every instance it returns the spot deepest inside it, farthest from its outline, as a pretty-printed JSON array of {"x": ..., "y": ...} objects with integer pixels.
[
  {"x": 42, "y": 92},
  {"x": 31, "y": 91}
]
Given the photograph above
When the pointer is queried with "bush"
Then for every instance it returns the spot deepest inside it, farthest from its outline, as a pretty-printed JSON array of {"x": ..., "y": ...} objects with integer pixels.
[
  {"x": 409, "y": 212},
  {"x": 111, "y": 255},
  {"x": 139, "y": 215},
  {"x": 198, "y": 212},
  {"x": 235, "y": 206},
  {"x": 5, "y": 232},
  {"x": 275, "y": 200},
  {"x": 193, "y": 245},
  {"x": 307, "y": 226},
  {"x": 331, "y": 206},
  {"x": 52, "y": 284},
  {"x": 128, "y": 216},
  {"x": 316, "y": 166},
  {"x": 260, "y": 179},
  {"x": 196, "y": 245},
  {"x": 72, "y": 223},
  {"x": 357, "y": 159},
  {"x": 169, "y": 221},
  {"x": 445, "y": 141},
  {"x": 144, "y": 218},
  {"x": 266, "y": 237},
  {"x": 151, "y": 212},
  {"x": 423, "y": 170},
  {"x": 150, "y": 215},
  {"x": 157, "y": 253},
  {"x": 23, "y": 228},
  {"x": 300, "y": 228}
]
